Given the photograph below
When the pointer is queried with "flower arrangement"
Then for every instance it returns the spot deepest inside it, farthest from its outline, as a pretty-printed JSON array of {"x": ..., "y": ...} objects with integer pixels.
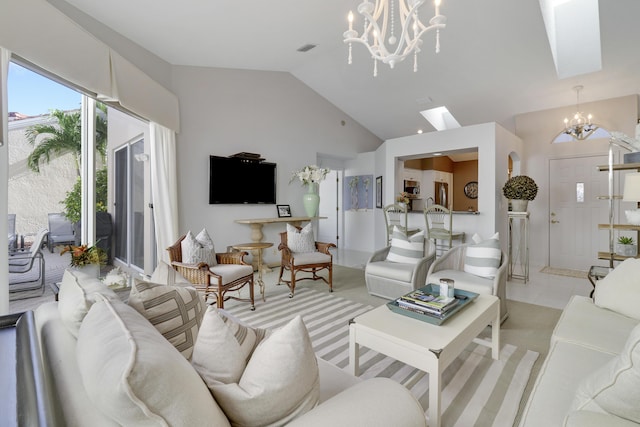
[
  {"x": 520, "y": 187},
  {"x": 309, "y": 174},
  {"x": 85, "y": 255},
  {"x": 403, "y": 197}
]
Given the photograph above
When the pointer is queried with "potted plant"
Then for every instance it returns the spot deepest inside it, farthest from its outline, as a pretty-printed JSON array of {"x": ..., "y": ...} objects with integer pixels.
[
  {"x": 86, "y": 258},
  {"x": 626, "y": 246},
  {"x": 520, "y": 188}
]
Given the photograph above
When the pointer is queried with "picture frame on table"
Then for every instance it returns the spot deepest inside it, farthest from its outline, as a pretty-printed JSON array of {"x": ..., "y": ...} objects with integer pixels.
[
  {"x": 379, "y": 192},
  {"x": 284, "y": 211}
]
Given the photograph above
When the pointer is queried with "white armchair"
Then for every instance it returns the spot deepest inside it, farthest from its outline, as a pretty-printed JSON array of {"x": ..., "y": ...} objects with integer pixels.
[
  {"x": 391, "y": 280},
  {"x": 451, "y": 266}
]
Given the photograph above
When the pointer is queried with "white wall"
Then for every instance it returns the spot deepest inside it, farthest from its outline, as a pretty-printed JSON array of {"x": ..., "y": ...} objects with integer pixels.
[
  {"x": 490, "y": 139},
  {"x": 358, "y": 224},
  {"x": 224, "y": 112},
  {"x": 538, "y": 129}
]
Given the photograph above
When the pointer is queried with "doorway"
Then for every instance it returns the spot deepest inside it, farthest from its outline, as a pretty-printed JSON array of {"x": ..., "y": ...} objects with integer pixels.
[
  {"x": 575, "y": 211},
  {"x": 330, "y": 192}
]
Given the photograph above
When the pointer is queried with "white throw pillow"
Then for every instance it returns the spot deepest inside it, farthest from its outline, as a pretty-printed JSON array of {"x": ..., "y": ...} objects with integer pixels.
[
  {"x": 476, "y": 238},
  {"x": 175, "y": 311},
  {"x": 131, "y": 372},
  {"x": 168, "y": 275},
  {"x": 198, "y": 249},
  {"x": 279, "y": 383},
  {"x": 620, "y": 289},
  {"x": 483, "y": 259},
  {"x": 406, "y": 250},
  {"x": 615, "y": 387},
  {"x": 300, "y": 241},
  {"x": 223, "y": 347},
  {"x": 76, "y": 295}
]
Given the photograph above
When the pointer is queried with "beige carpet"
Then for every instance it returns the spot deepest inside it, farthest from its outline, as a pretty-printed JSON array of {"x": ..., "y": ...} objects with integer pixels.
[
  {"x": 528, "y": 327},
  {"x": 564, "y": 272}
]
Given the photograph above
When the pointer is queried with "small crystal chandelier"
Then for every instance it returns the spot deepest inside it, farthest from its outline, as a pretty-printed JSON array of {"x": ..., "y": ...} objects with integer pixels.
[
  {"x": 580, "y": 128},
  {"x": 382, "y": 17}
]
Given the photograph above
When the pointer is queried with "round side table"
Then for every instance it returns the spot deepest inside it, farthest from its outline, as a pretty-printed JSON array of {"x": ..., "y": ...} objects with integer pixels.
[{"x": 256, "y": 249}]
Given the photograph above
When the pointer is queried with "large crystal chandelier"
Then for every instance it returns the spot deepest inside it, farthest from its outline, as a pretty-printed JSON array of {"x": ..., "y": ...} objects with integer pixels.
[
  {"x": 382, "y": 20},
  {"x": 579, "y": 127}
]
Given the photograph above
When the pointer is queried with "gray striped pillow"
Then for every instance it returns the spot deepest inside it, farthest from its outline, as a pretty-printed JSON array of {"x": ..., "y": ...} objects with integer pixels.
[
  {"x": 407, "y": 250},
  {"x": 175, "y": 311},
  {"x": 483, "y": 259}
]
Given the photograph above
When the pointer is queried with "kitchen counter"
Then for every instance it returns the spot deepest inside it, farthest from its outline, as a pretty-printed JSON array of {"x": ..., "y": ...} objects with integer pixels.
[{"x": 454, "y": 212}]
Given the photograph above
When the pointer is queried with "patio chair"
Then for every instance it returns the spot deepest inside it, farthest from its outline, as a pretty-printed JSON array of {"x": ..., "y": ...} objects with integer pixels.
[
  {"x": 60, "y": 231},
  {"x": 26, "y": 268},
  {"x": 11, "y": 232}
]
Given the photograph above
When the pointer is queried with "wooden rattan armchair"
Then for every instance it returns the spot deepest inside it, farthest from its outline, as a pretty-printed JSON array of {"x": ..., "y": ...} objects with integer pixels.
[
  {"x": 231, "y": 274},
  {"x": 308, "y": 262}
]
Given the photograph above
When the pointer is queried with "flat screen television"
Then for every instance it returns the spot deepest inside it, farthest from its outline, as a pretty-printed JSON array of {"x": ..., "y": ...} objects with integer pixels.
[{"x": 239, "y": 181}]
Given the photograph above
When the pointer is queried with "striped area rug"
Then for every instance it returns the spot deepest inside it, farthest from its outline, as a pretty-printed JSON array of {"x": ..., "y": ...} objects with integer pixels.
[{"x": 478, "y": 391}]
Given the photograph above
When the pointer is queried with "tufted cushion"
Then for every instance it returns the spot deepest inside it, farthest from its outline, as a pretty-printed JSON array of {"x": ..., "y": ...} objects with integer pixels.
[
  {"x": 231, "y": 272},
  {"x": 301, "y": 240},
  {"x": 615, "y": 387},
  {"x": 483, "y": 259},
  {"x": 78, "y": 292},
  {"x": 198, "y": 249},
  {"x": 175, "y": 311},
  {"x": 279, "y": 382},
  {"x": 168, "y": 275},
  {"x": 133, "y": 374},
  {"x": 619, "y": 290},
  {"x": 311, "y": 258},
  {"x": 408, "y": 250}
]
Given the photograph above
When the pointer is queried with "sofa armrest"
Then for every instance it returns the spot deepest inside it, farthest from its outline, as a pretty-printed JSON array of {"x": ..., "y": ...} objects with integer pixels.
[
  {"x": 379, "y": 255},
  {"x": 453, "y": 259},
  {"x": 374, "y": 402},
  {"x": 596, "y": 419}
]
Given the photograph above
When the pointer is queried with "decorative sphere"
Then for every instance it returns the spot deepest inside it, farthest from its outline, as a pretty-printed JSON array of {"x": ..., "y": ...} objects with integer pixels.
[{"x": 393, "y": 40}]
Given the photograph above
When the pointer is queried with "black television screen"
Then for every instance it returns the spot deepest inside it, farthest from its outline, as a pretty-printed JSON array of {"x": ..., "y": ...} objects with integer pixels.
[{"x": 234, "y": 180}]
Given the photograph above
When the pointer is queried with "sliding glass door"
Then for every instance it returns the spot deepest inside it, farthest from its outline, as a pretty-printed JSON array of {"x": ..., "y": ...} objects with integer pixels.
[{"x": 129, "y": 204}]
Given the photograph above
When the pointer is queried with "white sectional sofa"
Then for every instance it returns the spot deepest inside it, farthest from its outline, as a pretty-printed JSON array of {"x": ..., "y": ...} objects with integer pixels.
[
  {"x": 591, "y": 375},
  {"x": 113, "y": 367}
]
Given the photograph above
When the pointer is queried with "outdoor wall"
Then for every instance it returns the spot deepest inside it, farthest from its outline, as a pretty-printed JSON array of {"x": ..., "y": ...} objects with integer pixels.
[
  {"x": 224, "y": 112},
  {"x": 33, "y": 195},
  {"x": 538, "y": 129}
]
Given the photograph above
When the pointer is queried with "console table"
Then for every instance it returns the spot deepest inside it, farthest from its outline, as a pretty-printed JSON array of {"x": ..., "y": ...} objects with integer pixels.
[{"x": 256, "y": 224}]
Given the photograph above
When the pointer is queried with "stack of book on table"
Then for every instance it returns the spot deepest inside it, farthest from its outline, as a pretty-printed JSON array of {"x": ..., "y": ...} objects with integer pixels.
[{"x": 422, "y": 302}]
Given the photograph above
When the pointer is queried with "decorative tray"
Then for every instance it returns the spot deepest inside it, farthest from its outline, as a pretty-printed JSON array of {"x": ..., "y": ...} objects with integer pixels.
[{"x": 464, "y": 298}]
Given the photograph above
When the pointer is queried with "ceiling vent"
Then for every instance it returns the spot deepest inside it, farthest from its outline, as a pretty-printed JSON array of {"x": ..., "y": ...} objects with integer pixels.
[{"x": 306, "y": 47}]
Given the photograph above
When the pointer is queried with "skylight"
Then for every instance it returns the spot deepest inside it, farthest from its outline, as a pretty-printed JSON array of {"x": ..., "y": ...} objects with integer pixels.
[
  {"x": 440, "y": 118},
  {"x": 573, "y": 29}
]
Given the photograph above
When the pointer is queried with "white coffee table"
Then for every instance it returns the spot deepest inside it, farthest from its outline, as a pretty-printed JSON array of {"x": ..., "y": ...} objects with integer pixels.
[{"x": 430, "y": 348}]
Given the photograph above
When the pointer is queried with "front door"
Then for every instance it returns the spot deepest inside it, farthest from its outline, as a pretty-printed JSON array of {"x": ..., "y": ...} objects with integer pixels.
[{"x": 575, "y": 212}]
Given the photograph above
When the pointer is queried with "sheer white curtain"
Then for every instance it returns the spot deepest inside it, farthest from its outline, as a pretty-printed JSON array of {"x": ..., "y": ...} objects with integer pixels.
[
  {"x": 5, "y": 56},
  {"x": 164, "y": 187}
]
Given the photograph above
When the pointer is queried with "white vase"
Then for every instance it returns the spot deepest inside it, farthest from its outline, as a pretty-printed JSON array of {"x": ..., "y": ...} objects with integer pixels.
[
  {"x": 626, "y": 250},
  {"x": 518, "y": 205},
  {"x": 92, "y": 270}
]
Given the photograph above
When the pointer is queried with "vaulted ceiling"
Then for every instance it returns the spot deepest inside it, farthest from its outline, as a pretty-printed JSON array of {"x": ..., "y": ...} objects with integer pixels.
[{"x": 495, "y": 60}]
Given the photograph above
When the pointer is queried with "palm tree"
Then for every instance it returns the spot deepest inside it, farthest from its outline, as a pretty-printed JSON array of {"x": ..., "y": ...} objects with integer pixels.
[{"x": 62, "y": 135}]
